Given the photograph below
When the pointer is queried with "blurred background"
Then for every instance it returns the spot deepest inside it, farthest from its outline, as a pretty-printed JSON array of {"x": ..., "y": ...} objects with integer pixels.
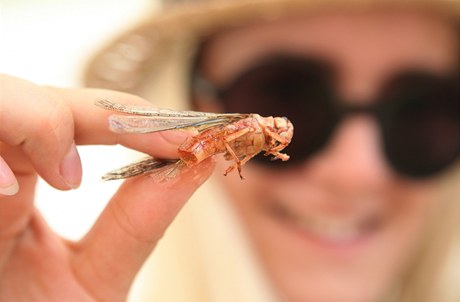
[{"x": 49, "y": 42}]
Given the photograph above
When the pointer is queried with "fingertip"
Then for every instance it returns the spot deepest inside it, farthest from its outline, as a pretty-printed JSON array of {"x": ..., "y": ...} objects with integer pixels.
[{"x": 201, "y": 172}]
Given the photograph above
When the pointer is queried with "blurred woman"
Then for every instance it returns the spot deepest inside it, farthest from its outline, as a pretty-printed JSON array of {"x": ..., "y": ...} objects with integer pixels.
[
  {"x": 364, "y": 210},
  {"x": 372, "y": 90}
]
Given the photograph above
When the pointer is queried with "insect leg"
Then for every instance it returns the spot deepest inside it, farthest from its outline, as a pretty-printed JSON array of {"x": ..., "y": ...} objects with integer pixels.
[
  {"x": 235, "y": 158},
  {"x": 242, "y": 162},
  {"x": 284, "y": 142},
  {"x": 237, "y": 134},
  {"x": 275, "y": 151},
  {"x": 282, "y": 156},
  {"x": 228, "y": 139}
]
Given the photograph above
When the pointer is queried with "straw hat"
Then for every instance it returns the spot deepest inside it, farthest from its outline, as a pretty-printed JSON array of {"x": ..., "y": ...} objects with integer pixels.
[{"x": 137, "y": 58}]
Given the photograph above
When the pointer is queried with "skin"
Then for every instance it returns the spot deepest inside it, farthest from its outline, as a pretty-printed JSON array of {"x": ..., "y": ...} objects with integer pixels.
[
  {"x": 40, "y": 128},
  {"x": 348, "y": 184}
]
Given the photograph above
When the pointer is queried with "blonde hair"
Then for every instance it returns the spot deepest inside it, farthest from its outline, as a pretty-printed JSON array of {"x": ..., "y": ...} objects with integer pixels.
[{"x": 435, "y": 272}]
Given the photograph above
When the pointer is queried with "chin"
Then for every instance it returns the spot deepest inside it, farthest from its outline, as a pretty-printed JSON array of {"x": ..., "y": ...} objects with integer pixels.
[{"x": 323, "y": 262}]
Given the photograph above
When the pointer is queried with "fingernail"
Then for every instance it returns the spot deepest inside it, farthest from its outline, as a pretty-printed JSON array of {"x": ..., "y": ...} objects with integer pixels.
[
  {"x": 8, "y": 183},
  {"x": 10, "y": 190},
  {"x": 70, "y": 168}
]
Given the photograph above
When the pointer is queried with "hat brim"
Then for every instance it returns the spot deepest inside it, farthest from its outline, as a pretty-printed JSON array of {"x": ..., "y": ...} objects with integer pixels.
[{"x": 135, "y": 57}]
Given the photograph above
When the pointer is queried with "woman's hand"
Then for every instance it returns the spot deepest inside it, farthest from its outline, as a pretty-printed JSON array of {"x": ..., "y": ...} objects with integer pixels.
[{"x": 39, "y": 129}]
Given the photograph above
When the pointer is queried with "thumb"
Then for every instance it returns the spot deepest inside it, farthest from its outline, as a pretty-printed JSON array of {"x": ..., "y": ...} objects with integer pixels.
[{"x": 112, "y": 253}]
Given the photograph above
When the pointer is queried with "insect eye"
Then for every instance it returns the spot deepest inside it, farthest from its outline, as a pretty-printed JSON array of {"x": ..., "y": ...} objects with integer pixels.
[{"x": 280, "y": 122}]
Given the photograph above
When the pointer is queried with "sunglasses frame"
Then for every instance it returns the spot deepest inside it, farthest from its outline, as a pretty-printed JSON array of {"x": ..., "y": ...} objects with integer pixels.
[{"x": 381, "y": 110}]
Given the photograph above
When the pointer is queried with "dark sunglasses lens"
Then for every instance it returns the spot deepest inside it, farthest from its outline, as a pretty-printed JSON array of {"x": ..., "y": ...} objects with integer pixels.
[
  {"x": 298, "y": 89},
  {"x": 422, "y": 128}
]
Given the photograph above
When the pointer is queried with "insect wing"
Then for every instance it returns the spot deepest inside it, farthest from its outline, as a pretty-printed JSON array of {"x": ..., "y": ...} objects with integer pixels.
[
  {"x": 147, "y": 124},
  {"x": 161, "y": 112},
  {"x": 137, "y": 110},
  {"x": 141, "y": 119},
  {"x": 163, "y": 169}
]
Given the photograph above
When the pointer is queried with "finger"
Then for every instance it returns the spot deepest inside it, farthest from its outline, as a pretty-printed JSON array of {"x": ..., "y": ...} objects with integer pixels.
[
  {"x": 41, "y": 121},
  {"x": 15, "y": 213},
  {"x": 15, "y": 210},
  {"x": 130, "y": 226},
  {"x": 91, "y": 123},
  {"x": 37, "y": 121}
]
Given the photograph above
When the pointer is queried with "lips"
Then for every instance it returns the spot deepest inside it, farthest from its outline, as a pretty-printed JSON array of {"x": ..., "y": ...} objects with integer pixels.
[{"x": 328, "y": 229}]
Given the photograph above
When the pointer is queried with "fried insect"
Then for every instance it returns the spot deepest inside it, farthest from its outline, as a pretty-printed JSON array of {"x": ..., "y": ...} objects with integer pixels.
[{"x": 239, "y": 136}]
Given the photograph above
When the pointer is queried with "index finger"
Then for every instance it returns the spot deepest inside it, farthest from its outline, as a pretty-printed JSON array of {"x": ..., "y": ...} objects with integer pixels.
[
  {"x": 45, "y": 123},
  {"x": 91, "y": 123}
]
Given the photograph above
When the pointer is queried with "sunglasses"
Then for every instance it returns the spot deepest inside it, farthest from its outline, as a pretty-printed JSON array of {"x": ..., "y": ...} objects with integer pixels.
[{"x": 418, "y": 111}]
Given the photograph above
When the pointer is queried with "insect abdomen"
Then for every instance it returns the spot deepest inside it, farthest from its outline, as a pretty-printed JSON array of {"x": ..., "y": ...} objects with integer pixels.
[{"x": 198, "y": 148}]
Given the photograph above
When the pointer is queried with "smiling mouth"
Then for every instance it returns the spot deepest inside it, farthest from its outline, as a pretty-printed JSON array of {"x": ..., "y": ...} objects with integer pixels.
[{"x": 331, "y": 231}]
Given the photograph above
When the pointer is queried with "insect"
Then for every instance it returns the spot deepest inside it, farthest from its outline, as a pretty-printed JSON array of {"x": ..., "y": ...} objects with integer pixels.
[{"x": 239, "y": 136}]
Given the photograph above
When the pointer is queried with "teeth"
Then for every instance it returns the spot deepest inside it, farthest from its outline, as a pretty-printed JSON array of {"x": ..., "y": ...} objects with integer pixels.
[
  {"x": 336, "y": 231},
  {"x": 330, "y": 231},
  {"x": 337, "y": 234}
]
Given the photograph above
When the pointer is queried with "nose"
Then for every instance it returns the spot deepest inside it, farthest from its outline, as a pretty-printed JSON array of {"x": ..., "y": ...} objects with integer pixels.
[{"x": 352, "y": 162}]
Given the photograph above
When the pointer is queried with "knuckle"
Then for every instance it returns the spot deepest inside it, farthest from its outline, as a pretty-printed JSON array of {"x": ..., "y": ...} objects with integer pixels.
[
  {"x": 56, "y": 124},
  {"x": 60, "y": 117},
  {"x": 50, "y": 132}
]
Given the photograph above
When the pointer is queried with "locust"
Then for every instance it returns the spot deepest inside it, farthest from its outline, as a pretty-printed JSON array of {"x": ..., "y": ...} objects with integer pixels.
[{"x": 238, "y": 136}]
